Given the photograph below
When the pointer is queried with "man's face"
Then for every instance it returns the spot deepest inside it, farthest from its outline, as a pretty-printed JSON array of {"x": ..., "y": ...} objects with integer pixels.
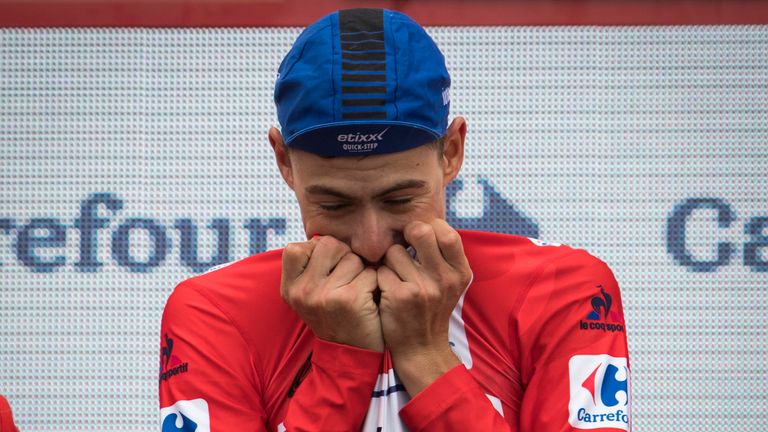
[{"x": 367, "y": 201}]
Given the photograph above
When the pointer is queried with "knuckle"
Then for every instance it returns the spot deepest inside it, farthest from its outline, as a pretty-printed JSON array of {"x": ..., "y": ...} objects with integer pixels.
[
  {"x": 420, "y": 231},
  {"x": 428, "y": 296},
  {"x": 289, "y": 295},
  {"x": 289, "y": 250},
  {"x": 431, "y": 296},
  {"x": 332, "y": 244},
  {"x": 393, "y": 251},
  {"x": 451, "y": 237},
  {"x": 325, "y": 241},
  {"x": 354, "y": 259},
  {"x": 292, "y": 251},
  {"x": 466, "y": 276}
]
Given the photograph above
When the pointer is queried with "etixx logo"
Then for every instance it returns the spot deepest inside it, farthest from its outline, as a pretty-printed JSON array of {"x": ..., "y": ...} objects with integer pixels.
[
  {"x": 599, "y": 386},
  {"x": 361, "y": 142}
]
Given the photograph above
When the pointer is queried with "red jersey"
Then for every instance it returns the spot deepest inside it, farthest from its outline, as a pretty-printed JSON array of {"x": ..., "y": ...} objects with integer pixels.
[{"x": 540, "y": 332}]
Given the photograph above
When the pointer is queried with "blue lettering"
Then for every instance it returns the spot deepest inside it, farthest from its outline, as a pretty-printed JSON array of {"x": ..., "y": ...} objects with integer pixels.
[
  {"x": 676, "y": 227},
  {"x": 755, "y": 229},
  {"x": 29, "y": 240},
  {"x": 258, "y": 230},
  {"x": 89, "y": 223},
  {"x": 189, "y": 244},
  {"x": 121, "y": 247},
  {"x": 6, "y": 227}
]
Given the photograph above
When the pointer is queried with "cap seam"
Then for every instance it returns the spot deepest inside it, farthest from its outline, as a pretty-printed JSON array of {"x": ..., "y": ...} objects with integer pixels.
[
  {"x": 335, "y": 38},
  {"x": 395, "y": 75}
]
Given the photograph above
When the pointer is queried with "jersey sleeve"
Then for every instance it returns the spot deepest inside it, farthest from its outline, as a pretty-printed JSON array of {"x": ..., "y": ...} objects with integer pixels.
[
  {"x": 208, "y": 382},
  {"x": 337, "y": 391},
  {"x": 453, "y": 402},
  {"x": 572, "y": 348}
]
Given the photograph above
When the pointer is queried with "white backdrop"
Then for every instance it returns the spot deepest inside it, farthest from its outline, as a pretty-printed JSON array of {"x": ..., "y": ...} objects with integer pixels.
[{"x": 645, "y": 145}]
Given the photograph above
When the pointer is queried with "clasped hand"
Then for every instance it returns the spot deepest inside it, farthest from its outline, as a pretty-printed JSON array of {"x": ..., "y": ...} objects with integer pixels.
[{"x": 333, "y": 292}]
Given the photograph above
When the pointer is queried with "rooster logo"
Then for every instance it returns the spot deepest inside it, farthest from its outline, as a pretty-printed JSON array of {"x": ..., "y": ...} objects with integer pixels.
[
  {"x": 600, "y": 305},
  {"x": 165, "y": 354}
]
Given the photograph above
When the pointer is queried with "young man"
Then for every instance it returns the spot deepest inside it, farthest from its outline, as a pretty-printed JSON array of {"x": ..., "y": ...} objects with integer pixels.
[{"x": 387, "y": 318}]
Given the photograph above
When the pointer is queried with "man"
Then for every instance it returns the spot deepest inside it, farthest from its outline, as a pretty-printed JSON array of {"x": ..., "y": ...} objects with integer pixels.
[{"x": 387, "y": 318}]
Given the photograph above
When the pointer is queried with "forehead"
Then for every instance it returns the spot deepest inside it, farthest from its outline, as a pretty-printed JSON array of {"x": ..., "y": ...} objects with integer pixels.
[{"x": 364, "y": 172}]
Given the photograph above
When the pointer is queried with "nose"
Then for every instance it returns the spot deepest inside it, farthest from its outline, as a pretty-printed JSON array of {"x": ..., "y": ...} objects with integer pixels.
[{"x": 371, "y": 237}]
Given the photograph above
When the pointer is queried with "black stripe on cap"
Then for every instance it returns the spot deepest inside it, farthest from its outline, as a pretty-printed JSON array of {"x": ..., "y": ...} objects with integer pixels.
[
  {"x": 363, "y": 56},
  {"x": 363, "y": 102},
  {"x": 381, "y": 115},
  {"x": 361, "y": 20},
  {"x": 363, "y": 36},
  {"x": 363, "y": 89},
  {"x": 364, "y": 77},
  {"x": 368, "y": 67},
  {"x": 363, "y": 46}
]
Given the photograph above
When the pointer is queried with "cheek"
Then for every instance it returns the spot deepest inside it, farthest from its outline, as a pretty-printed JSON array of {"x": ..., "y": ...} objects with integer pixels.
[
  {"x": 431, "y": 205},
  {"x": 316, "y": 224},
  {"x": 424, "y": 209}
]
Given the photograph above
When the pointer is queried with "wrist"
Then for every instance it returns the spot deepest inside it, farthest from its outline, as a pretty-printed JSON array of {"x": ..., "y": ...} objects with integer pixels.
[{"x": 418, "y": 369}]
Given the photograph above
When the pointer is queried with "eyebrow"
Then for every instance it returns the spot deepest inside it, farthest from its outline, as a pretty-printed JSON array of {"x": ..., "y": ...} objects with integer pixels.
[{"x": 404, "y": 184}]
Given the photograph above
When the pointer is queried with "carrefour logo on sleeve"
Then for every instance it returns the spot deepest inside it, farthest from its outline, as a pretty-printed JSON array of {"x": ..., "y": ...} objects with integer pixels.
[
  {"x": 599, "y": 392},
  {"x": 186, "y": 416}
]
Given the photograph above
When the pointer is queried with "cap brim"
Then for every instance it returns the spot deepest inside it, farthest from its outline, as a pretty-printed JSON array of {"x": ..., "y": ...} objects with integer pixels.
[{"x": 361, "y": 139}]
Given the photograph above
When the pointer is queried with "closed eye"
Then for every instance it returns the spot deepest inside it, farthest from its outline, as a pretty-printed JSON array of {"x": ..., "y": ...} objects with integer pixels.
[
  {"x": 398, "y": 201},
  {"x": 333, "y": 207}
]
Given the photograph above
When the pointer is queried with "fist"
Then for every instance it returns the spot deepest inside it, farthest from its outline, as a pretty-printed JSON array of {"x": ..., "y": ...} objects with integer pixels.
[
  {"x": 330, "y": 289},
  {"x": 419, "y": 295}
]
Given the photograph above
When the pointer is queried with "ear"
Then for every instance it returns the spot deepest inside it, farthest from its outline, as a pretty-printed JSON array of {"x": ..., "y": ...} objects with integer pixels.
[
  {"x": 453, "y": 149},
  {"x": 282, "y": 157}
]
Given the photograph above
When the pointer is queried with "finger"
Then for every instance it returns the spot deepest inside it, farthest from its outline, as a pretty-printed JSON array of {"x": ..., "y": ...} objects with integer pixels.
[
  {"x": 295, "y": 258},
  {"x": 422, "y": 237},
  {"x": 366, "y": 280},
  {"x": 449, "y": 242},
  {"x": 347, "y": 269},
  {"x": 386, "y": 278},
  {"x": 326, "y": 255},
  {"x": 400, "y": 261}
]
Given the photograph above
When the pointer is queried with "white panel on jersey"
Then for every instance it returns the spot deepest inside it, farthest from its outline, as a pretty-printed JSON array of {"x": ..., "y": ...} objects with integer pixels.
[
  {"x": 389, "y": 397},
  {"x": 599, "y": 387},
  {"x": 186, "y": 416},
  {"x": 457, "y": 335}
]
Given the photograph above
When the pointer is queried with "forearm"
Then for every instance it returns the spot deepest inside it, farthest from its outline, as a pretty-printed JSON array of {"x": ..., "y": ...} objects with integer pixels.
[{"x": 337, "y": 391}]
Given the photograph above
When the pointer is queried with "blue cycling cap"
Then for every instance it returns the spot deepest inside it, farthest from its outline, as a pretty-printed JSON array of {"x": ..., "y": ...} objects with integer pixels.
[{"x": 360, "y": 82}]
